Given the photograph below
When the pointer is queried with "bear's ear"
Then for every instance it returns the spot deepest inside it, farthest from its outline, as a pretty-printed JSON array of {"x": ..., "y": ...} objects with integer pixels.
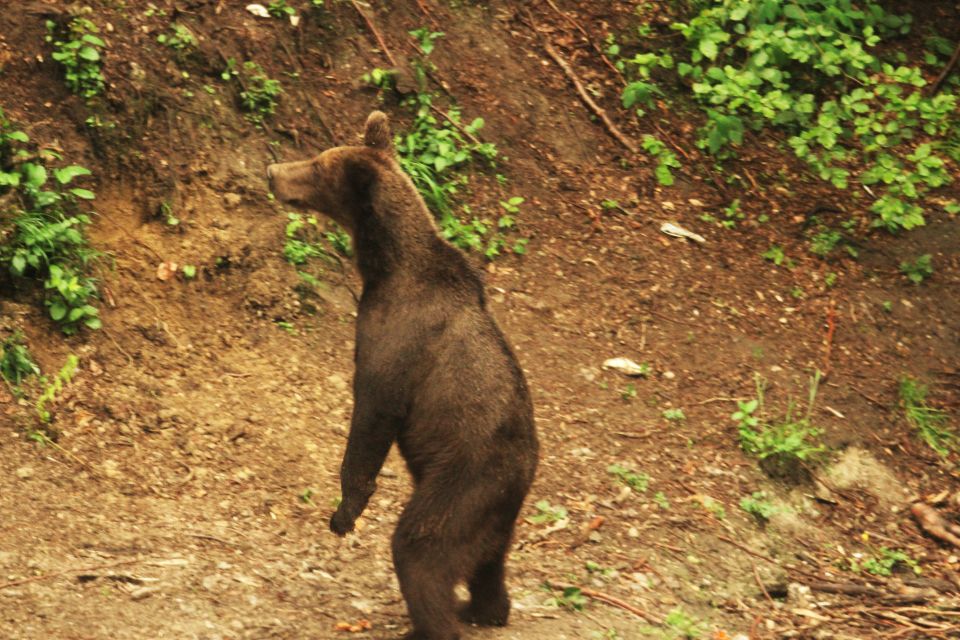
[{"x": 377, "y": 132}]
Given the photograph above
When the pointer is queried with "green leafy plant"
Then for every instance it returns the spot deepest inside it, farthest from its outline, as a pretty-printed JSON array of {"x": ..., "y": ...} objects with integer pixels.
[
  {"x": 436, "y": 151},
  {"x": 883, "y": 562},
  {"x": 280, "y": 9},
  {"x": 547, "y": 513},
  {"x": 918, "y": 270},
  {"x": 821, "y": 72},
  {"x": 569, "y": 598},
  {"x": 259, "y": 94},
  {"x": 42, "y": 233},
  {"x": 629, "y": 392},
  {"x": 787, "y": 442},
  {"x": 757, "y": 505},
  {"x": 636, "y": 481},
  {"x": 79, "y": 51},
  {"x": 179, "y": 38},
  {"x": 674, "y": 415},
  {"x": 776, "y": 255},
  {"x": 661, "y": 500},
  {"x": 53, "y": 387},
  {"x": 678, "y": 625},
  {"x": 929, "y": 422},
  {"x": 426, "y": 39},
  {"x": 16, "y": 363},
  {"x": 666, "y": 159},
  {"x": 303, "y": 239}
]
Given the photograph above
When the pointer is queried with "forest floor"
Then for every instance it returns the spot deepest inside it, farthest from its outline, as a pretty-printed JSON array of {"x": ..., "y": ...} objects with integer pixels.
[{"x": 196, "y": 451}]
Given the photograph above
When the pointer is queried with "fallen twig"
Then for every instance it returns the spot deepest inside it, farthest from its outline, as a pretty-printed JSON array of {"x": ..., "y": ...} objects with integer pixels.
[
  {"x": 828, "y": 338},
  {"x": 612, "y": 600},
  {"x": 474, "y": 139},
  {"x": 47, "y": 576},
  {"x": 947, "y": 70},
  {"x": 589, "y": 101},
  {"x": 581, "y": 90},
  {"x": 429, "y": 14},
  {"x": 589, "y": 40},
  {"x": 935, "y": 524},
  {"x": 763, "y": 589},
  {"x": 376, "y": 33}
]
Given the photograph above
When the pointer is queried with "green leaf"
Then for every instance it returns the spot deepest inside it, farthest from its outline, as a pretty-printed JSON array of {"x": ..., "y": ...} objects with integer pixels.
[
  {"x": 709, "y": 49},
  {"x": 57, "y": 311},
  {"x": 84, "y": 194},
  {"x": 19, "y": 136},
  {"x": 94, "y": 40},
  {"x": 18, "y": 264},
  {"x": 89, "y": 54},
  {"x": 35, "y": 175},
  {"x": 93, "y": 322},
  {"x": 66, "y": 174}
]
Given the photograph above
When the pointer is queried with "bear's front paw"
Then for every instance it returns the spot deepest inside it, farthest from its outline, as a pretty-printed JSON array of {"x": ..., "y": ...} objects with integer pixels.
[{"x": 341, "y": 523}]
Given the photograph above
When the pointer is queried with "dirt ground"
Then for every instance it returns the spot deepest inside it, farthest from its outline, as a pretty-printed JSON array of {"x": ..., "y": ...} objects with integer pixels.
[{"x": 197, "y": 450}]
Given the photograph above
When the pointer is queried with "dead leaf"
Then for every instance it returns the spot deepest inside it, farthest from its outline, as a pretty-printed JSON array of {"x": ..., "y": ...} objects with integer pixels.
[
  {"x": 361, "y": 625},
  {"x": 166, "y": 270}
]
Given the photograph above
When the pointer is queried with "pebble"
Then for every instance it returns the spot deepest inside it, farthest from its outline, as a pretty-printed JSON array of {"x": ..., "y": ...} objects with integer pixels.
[
  {"x": 24, "y": 472},
  {"x": 231, "y": 200}
]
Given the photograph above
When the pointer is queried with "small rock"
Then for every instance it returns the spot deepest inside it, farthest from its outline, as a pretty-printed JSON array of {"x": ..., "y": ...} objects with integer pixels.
[
  {"x": 142, "y": 592},
  {"x": 111, "y": 469},
  {"x": 231, "y": 200},
  {"x": 25, "y": 472},
  {"x": 337, "y": 381},
  {"x": 626, "y": 366}
]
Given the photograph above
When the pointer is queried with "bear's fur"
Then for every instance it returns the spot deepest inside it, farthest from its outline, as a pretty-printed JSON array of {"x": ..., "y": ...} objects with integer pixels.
[{"x": 435, "y": 375}]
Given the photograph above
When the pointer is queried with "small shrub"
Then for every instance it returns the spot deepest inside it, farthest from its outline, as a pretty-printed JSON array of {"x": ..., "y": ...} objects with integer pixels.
[
  {"x": 918, "y": 270},
  {"x": 437, "y": 150},
  {"x": 259, "y": 94},
  {"x": 757, "y": 505},
  {"x": 547, "y": 513},
  {"x": 570, "y": 598},
  {"x": 884, "y": 561},
  {"x": 636, "y": 481},
  {"x": 785, "y": 445},
  {"x": 44, "y": 235},
  {"x": 818, "y": 71},
  {"x": 666, "y": 159},
  {"x": 79, "y": 52},
  {"x": 930, "y": 423},
  {"x": 53, "y": 387},
  {"x": 179, "y": 38},
  {"x": 16, "y": 363}
]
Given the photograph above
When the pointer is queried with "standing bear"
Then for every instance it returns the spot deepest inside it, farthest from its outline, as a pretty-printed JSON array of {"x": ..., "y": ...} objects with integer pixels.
[{"x": 433, "y": 374}]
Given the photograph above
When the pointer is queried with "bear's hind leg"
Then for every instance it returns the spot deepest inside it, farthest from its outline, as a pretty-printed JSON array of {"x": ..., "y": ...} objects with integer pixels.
[
  {"x": 489, "y": 604},
  {"x": 427, "y": 579}
]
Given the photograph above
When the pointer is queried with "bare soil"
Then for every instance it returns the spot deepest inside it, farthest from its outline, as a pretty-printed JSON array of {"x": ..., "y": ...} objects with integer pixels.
[{"x": 197, "y": 451}]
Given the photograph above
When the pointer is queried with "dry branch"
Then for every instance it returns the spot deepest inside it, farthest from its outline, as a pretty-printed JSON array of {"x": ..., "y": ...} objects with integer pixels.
[
  {"x": 47, "y": 576},
  {"x": 947, "y": 70},
  {"x": 611, "y": 600},
  {"x": 587, "y": 100},
  {"x": 376, "y": 33},
  {"x": 935, "y": 524},
  {"x": 828, "y": 338},
  {"x": 586, "y": 37}
]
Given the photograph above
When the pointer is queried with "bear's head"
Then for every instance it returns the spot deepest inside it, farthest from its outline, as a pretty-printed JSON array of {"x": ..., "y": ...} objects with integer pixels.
[{"x": 337, "y": 182}]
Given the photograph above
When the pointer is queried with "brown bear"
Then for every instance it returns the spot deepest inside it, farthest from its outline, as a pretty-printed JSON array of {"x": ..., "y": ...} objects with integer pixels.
[{"x": 433, "y": 374}]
